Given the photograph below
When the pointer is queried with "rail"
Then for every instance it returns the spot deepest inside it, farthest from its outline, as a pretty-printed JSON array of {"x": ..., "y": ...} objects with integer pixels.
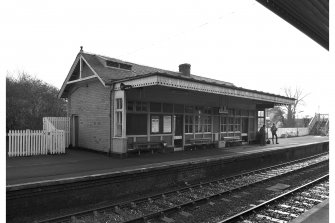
[
  {"x": 186, "y": 196},
  {"x": 254, "y": 209}
]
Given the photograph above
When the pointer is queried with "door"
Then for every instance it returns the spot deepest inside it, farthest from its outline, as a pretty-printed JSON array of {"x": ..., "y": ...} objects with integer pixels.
[
  {"x": 178, "y": 132},
  {"x": 245, "y": 127},
  {"x": 75, "y": 135}
]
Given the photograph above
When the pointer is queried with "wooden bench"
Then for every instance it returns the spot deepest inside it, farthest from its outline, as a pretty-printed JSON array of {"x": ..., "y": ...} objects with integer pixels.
[
  {"x": 146, "y": 146},
  {"x": 201, "y": 142},
  {"x": 232, "y": 141}
]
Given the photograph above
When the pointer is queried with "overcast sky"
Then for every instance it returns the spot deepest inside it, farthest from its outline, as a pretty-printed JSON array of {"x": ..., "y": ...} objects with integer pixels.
[{"x": 235, "y": 41}]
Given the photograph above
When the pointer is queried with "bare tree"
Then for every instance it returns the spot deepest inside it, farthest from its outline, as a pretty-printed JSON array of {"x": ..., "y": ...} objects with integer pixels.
[
  {"x": 276, "y": 115},
  {"x": 292, "y": 109},
  {"x": 28, "y": 100}
]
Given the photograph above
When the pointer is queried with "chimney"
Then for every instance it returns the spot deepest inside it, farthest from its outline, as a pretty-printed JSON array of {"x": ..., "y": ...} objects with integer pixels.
[{"x": 185, "y": 69}]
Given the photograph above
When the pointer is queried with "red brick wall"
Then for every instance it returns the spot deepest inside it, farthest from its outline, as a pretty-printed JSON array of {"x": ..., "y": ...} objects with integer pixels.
[{"x": 90, "y": 102}]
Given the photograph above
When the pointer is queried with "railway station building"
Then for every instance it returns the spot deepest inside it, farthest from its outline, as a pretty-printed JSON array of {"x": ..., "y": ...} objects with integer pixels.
[{"x": 115, "y": 105}]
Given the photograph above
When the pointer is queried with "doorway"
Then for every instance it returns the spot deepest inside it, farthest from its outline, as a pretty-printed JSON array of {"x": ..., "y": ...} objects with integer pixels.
[
  {"x": 75, "y": 132},
  {"x": 178, "y": 131},
  {"x": 245, "y": 127}
]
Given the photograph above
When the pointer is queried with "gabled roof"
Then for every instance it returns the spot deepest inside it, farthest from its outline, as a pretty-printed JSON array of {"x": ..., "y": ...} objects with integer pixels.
[{"x": 109, "y": 75}]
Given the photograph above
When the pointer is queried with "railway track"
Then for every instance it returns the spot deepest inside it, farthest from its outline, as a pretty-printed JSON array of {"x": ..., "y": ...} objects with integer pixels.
[
  {"x": 287, "y": 206},
  {"x": 160, "y": 205}
]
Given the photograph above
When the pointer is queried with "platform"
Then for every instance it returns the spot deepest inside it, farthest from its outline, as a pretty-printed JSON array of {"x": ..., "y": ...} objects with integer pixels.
[
  {"x": 55, "y": 184},
  {"x": 80, "y": 163}
]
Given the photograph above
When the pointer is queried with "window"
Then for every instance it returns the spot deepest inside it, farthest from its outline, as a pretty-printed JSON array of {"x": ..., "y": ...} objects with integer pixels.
[
  {"x": 118, "y": 117},
  {"x": 119, "y": 103},
  {"x": 137, "y": 124},
  {"x": 118, "y": 123},
  {"x": 207, "y": 124},
  {"x": 136, "y": 106},
  {"x": 261, "y": 119},
  {"x": 197, "y": 124},
  {"x": 188, "y": 123},
  {"x": 237, "y": 125},
  {"x": 130, "y": 106},
  {"x": 223, "y": 124},
  {"x": 167, "y": 108},
  {"x": 189, "y": 109},
  {"x": 110, "y": 63},
  {"x": 155, "y": 107},
  {"x": 178, "y": 108},
  {"x": 141, "y": 106},
  {"x": 260, "y": 113}
]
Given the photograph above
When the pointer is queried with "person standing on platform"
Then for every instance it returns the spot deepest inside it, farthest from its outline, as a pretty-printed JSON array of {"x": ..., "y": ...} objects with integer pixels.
[
  {"x": 274, "y": 133},
  {"x": 262, "y": 135}
]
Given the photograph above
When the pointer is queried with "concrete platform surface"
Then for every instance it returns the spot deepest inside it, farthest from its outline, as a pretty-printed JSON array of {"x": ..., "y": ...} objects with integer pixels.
[
  {"x": 78, "y": 163},
  {"x": 318, "y": 214}
]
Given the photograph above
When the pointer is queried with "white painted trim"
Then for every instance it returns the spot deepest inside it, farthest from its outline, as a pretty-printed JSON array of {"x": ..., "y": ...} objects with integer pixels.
[
  {"x": 103, "y": 83},
  {"x": 202, "y": 87},
  {"x": 82, "y": 79},
  {"x": 68, "y": 75},
  {"x": 80, "y": 68}
]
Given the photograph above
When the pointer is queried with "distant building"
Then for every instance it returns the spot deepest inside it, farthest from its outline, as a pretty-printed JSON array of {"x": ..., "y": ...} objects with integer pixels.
[{"x": 113, "y": 103}]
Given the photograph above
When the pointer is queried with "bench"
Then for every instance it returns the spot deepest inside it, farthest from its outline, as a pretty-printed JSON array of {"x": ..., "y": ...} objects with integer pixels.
[
  {"x": 146, "y": 146},
  {"x": 233, "y": 141},
  {"x": 201, "y": 142}
]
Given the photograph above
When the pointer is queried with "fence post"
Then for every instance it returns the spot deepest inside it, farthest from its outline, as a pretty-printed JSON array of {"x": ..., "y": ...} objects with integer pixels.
[
  {"x": 14, "y": 144},
  {"x": 9, "y": 144}
]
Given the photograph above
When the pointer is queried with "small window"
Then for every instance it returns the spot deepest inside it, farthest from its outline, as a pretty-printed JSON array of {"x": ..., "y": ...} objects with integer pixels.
[
  {"x": 260, "y": 113},
  {"x": 168, "y": 108},
  {"x": 119, "y": 103},
  {"x": 138, "y": 106},
  {"x": 112, "y": 63},
  {"x": 130, "y": 106},
  {"x": 189, "y": 109},
  {"x": 155, "y": 107},
  {"x": 125, "y": 66},
  {"x": 188, "y": 123},
  {"x": 118, "y": 123},
  {"x": 178, "y": 108}
]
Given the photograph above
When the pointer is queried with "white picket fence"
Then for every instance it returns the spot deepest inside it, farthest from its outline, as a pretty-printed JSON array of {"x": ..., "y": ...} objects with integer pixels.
[
  {"x": 35, "y": 142},
  {"x": 58, "y": 123}
]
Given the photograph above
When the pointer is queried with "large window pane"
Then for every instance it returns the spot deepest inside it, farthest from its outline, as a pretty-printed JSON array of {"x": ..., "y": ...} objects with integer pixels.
[{"x": 136, "y": 124}]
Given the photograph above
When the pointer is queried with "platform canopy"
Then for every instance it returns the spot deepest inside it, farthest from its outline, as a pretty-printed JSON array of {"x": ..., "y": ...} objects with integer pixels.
[
  {"x": 309, "y": 16},
  {"x": 181, "y": 82}
]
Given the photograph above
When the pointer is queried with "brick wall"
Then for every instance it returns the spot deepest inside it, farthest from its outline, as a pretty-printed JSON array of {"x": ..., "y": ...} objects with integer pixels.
[{"x": 90, "y": 101}]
